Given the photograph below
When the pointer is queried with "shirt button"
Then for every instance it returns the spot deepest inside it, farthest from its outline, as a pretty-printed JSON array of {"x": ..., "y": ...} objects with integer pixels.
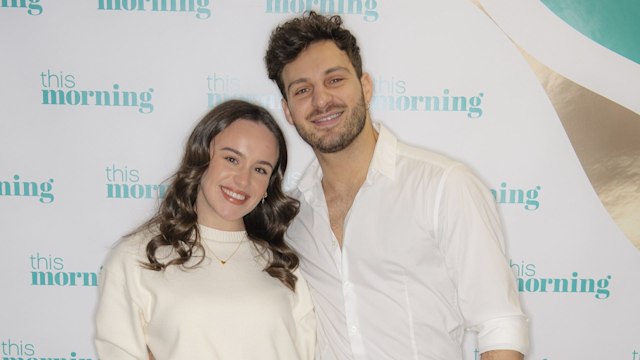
[
  {"x": 353, "y": 329},
  {"x": 347, "y": 285}
]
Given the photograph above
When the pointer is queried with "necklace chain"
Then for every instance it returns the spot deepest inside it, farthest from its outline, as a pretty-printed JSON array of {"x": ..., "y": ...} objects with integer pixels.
[{"x": 230, "y": 256}]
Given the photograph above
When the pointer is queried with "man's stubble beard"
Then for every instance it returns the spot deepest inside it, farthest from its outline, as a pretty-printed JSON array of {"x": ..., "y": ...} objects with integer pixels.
[{"x": 354, "y": 124}]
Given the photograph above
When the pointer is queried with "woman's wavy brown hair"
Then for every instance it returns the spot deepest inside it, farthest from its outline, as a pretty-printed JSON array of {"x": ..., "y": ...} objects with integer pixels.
[{"x": 175, "y": 223}]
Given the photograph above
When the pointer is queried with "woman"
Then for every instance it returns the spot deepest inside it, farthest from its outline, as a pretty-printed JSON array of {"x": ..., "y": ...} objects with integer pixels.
[{"x": 209, "y": 276}]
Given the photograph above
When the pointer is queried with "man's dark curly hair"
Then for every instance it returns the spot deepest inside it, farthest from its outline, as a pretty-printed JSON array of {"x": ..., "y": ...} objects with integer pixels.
[{"x": 289, "y": 39}]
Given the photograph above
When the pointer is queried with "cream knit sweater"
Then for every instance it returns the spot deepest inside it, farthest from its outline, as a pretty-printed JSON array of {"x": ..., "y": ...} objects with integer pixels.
[{"x": 233, "y": 311}]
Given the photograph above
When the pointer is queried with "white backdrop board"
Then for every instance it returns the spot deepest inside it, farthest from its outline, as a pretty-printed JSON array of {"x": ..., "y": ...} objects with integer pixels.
[{"x": 97, "y": 98}]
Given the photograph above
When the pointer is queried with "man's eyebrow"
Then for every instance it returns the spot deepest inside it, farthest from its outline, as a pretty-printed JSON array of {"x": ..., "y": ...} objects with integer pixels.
[
  {"x": 301, "y": 80},
  {"x": 336, "y": 68}
]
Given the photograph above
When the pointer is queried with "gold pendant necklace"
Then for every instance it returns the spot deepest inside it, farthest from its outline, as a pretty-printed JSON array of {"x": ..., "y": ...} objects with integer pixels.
[{"x": 230, "y": 256}]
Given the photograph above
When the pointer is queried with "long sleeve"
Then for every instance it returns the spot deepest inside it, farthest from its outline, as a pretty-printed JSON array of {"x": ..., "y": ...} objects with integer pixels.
[
  {"x": 471, "y": 236},
  {"x": 119, "y": 321},
  {"x": 305, "y": 320}
]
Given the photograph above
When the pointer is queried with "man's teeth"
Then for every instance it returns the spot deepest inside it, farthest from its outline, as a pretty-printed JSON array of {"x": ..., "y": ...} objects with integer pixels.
[{"x": 329, "y": 118}]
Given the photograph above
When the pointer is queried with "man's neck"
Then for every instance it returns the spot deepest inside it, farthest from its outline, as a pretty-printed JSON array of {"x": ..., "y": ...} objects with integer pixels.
[{"x": 346, "y": 170}]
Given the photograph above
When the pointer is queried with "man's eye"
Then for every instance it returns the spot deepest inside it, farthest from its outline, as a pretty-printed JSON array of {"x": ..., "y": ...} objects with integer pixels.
[{"x": 301, "y": 91}]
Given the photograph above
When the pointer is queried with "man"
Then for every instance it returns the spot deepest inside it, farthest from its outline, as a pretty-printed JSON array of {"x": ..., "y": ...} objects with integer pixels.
[{"x": 401, "y": 247}]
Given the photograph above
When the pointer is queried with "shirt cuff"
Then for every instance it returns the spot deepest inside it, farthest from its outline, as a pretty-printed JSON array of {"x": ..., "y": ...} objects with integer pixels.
[{"x": 506, "y": 333}]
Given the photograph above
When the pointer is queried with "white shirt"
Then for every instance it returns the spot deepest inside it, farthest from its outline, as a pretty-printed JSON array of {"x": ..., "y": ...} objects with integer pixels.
[{"x": 422, "y": 260}]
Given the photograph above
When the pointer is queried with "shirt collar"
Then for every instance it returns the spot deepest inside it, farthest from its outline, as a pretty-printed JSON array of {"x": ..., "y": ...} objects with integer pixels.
[
  {"x": 384, "y": 155},
  {"x": 383, "y": 161}
]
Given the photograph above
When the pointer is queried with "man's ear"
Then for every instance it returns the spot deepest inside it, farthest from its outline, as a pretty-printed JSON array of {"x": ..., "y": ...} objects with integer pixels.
[
  {"x": 367, "y": 87},
  {"x": 285, "y": 109}
]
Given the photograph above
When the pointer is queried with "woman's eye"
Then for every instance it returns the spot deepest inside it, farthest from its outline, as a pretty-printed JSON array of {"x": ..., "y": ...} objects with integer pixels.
[
  {"x": 262, "y": 171},
  {"x": 231, "y": 159}
]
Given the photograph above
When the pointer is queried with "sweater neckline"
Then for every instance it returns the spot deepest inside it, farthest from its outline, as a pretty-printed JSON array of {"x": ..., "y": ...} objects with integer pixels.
[{"x": 211, "y": 234}]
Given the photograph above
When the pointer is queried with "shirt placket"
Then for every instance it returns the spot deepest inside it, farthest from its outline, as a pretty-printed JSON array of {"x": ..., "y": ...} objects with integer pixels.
[{"x": 349, "y": 294}]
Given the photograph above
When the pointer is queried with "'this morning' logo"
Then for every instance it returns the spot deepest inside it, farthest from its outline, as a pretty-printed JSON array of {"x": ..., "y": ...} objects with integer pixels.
[
  {"x": 199, "y": 7},
  {"x": 60, "y": 89},
  {"x": 33, "y": 6},
  {"x": 391, "y": 95},
  {"x": 222, "y": 87},
  {"x": 21, "y": 350},
  {"x": 528, "y": 198},
  {"x": 528, "y": 282},
  {"x": 366, "y": 8},
  {"x": 50, "y": 271},
  {"x": 28, "y": 188},
  {"x": 124, "y": 183}
]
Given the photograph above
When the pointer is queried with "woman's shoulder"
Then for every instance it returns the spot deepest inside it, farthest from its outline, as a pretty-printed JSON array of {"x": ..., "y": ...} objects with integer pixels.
[{"x": 129, "y": 250}]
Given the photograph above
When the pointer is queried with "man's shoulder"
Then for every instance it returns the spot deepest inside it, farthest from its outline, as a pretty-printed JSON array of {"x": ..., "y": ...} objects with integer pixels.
[
  {"x": 416, "y": 157},
  {"x": 294, "y": 192}
]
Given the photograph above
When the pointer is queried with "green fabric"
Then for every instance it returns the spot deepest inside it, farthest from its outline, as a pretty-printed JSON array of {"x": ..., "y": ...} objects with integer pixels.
[{"x": 613, "y": 24}]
